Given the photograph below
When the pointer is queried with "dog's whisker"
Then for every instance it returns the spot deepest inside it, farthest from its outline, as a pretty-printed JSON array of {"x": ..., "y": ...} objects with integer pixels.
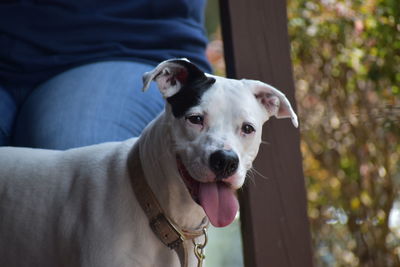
[
  {"x": 259, "y": 174},
  {"x": 265, "y": 142},
  {"x": 251, "y": 179}
]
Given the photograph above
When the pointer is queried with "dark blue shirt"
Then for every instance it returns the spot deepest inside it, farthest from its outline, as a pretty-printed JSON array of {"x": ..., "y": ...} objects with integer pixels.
[{"x": 40, "y": 38}]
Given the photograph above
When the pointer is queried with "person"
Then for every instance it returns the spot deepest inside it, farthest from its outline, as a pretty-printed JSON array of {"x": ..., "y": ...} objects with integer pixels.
[{"x": 71, "y": 71}]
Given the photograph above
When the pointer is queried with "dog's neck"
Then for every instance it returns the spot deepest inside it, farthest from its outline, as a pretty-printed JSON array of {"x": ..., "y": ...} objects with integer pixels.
[{"x": 159, "y": 165}]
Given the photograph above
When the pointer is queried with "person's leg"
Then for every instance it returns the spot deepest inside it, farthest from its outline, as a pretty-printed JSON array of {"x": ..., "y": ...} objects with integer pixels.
[
  {"x": 7, "y": 114},
  {"x": 86, "y": 105}
]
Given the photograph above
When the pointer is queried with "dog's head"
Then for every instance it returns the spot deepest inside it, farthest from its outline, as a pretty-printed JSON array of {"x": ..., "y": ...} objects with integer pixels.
[{"x": 216, "y": 126}]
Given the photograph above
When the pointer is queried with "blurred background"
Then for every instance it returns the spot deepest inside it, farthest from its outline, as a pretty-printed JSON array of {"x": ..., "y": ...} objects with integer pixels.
[{"x": 346, "y": 63}]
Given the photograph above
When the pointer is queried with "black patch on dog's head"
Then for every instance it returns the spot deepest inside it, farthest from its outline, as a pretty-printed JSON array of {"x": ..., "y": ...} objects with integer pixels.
[{"x": 192, "y": 90}]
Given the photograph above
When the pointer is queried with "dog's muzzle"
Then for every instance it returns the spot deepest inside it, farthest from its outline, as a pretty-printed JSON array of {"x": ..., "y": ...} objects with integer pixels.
[{"x": 216, "y": 197}]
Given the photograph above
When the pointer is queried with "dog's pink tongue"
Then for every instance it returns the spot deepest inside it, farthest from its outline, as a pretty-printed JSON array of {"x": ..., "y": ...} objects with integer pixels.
[{"x": 219, "y": 202}]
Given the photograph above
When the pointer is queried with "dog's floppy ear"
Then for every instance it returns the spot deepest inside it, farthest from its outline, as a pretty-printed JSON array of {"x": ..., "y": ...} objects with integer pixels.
[
  {"x": 171, "y": 75},
  {"x": 274, "y": 101},
  {"x": 181, "y": 82}
]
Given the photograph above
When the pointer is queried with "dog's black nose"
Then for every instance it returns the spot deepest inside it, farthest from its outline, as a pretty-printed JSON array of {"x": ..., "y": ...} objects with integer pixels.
[{"x": 224, "y": 163}]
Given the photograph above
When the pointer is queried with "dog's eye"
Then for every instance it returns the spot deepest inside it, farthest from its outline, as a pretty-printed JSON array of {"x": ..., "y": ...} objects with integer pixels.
[
  {"x": 248, "y": 128},
  {"x": 195, "y": 119}
]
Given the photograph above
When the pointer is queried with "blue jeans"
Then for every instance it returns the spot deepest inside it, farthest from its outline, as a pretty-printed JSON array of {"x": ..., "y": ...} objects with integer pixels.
[{"x": 85, "y": 105}]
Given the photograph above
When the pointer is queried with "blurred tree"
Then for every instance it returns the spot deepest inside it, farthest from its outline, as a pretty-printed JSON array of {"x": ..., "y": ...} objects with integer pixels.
[
  {"x": 215, "y": 49},
  {"x": 346, "y": 57}
]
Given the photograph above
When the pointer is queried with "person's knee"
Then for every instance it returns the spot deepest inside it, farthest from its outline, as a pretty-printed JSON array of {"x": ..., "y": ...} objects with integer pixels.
[
  {"x": 105, "y": 104},
  {"x": 64, "y": 123}
]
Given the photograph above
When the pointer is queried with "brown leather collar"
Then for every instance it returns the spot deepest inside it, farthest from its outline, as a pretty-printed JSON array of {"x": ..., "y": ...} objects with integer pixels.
[{"x": 163, "y": 227}]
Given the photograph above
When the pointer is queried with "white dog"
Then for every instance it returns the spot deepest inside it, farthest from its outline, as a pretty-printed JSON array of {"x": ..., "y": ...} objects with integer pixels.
[{"x": 77, "y": 207}]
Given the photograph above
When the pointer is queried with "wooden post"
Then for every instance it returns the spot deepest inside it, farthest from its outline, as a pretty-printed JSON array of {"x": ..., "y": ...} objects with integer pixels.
[{"x": 275, "y": 227}]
